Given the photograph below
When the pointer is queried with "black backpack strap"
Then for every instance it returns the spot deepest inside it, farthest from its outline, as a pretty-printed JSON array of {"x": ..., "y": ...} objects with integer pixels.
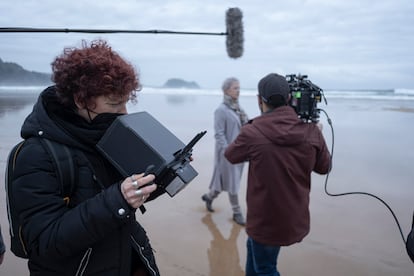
[
  {"x": 64, "y": 165},
  {"x": 13, "y": 156},
  {"x": 11, "y": 164}
]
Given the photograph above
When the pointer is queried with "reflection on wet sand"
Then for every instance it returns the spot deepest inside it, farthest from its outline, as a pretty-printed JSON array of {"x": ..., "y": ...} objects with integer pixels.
[
  {"x": 12, "y": 103},
  {"x": 180, "y": 99},
  {"x": 223, "y": 254}
]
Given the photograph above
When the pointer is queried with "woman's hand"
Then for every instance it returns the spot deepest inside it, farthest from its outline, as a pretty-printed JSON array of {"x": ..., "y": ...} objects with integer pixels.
[{"x": 132, "y": 191}]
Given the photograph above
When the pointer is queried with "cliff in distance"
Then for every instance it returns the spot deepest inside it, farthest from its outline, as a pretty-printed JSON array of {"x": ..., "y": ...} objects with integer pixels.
[
  {"x": 179, "y": 83},
  {"x": 12, "y": 74}
]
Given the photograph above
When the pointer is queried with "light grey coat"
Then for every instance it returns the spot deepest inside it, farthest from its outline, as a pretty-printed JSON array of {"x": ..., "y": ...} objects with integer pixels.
[{"x": 226, "y": 176}]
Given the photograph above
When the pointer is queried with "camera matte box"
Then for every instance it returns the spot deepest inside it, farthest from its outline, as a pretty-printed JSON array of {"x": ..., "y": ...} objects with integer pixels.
[{"x": 136, "y": 142}]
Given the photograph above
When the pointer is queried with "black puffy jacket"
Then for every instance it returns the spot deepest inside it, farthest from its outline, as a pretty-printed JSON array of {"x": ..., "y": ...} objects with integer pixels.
[{"x": 97, "y": 233}]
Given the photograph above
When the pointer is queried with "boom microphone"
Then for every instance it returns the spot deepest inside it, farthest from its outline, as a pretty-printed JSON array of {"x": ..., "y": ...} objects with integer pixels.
[
  {"x": 234, "y": 32},
  {"x": 235, "y": 39}
]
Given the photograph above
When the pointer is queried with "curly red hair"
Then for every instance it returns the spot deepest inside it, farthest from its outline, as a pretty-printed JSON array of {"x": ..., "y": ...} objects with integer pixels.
[{"x": 92, "y": 71}]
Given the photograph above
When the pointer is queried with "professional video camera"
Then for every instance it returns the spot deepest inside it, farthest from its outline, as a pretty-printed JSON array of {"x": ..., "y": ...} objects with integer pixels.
[{"x": 304, "y": 97}]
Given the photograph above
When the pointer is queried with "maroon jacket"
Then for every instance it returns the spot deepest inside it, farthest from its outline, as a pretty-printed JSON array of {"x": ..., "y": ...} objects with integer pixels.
[{"x": 282, "y": 152}]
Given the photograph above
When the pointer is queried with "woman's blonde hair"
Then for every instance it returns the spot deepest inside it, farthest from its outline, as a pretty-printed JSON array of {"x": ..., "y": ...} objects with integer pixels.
[{"x": 228, "y": 82}]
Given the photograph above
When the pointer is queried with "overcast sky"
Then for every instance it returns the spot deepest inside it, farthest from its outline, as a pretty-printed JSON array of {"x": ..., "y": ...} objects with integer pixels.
[{"x": 344, "y": 44}]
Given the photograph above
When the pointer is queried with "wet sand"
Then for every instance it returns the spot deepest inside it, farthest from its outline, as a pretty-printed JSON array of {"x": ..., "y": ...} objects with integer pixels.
[{"x": 350, "y": 235}]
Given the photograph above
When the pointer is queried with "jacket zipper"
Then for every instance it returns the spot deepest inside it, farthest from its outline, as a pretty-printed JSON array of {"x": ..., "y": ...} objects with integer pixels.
[
  {"x": 143, "y": 257},
  {"x": 84, "y": 262}
]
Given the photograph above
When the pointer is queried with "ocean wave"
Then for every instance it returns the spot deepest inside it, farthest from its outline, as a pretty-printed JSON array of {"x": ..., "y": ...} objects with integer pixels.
[
  {"x": 21, "y": 88},
  {"x": 373, "y": 94},
  {"x": 404, "y": 91},
  {"x": 180, "y": 91}
]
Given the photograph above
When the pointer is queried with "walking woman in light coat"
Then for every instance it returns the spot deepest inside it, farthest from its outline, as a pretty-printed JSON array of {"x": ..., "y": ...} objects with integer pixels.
[{"x": 228, "y": 119}]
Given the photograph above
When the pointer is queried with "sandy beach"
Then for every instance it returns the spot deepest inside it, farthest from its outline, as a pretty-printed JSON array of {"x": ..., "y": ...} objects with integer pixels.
[{"x": 350, "y": 235}]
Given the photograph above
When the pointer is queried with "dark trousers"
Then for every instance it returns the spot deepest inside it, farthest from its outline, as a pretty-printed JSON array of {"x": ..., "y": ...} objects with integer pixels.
[{"x": 261, "y": 259}]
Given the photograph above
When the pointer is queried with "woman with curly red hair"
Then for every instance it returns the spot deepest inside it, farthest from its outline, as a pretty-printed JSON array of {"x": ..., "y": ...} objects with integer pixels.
[{"x": 96, "y": 232}]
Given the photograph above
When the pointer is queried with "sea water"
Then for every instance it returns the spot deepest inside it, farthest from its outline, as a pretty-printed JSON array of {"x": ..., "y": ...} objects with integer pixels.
[
  {"x": 379, "y": 122},
  {"x": 188, "y": 111}
]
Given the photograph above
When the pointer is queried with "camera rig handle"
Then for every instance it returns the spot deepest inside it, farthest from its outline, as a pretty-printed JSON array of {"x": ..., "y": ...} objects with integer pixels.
[{"x": 186, "y": 152}]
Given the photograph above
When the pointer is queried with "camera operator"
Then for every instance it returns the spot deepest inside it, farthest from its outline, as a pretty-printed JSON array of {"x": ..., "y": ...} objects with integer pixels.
[{"x": 282, "y": 151}]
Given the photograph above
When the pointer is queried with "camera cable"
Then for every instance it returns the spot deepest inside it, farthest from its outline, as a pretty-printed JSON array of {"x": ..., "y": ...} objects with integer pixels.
[{"x": 354, "y": 193}]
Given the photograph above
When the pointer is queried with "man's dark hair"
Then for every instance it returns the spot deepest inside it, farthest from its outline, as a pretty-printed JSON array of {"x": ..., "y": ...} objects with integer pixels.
[{"x": 275, "y": 101}]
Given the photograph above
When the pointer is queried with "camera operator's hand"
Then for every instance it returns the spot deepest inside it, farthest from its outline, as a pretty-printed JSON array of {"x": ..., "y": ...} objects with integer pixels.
[{"x": 132, "y": 191}]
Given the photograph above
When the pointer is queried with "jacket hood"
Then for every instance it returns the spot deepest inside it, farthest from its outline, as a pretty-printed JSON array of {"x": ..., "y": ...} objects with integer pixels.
[
  {"x": 282, "y": 126},
  {"x": 40, "y": 124}
]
